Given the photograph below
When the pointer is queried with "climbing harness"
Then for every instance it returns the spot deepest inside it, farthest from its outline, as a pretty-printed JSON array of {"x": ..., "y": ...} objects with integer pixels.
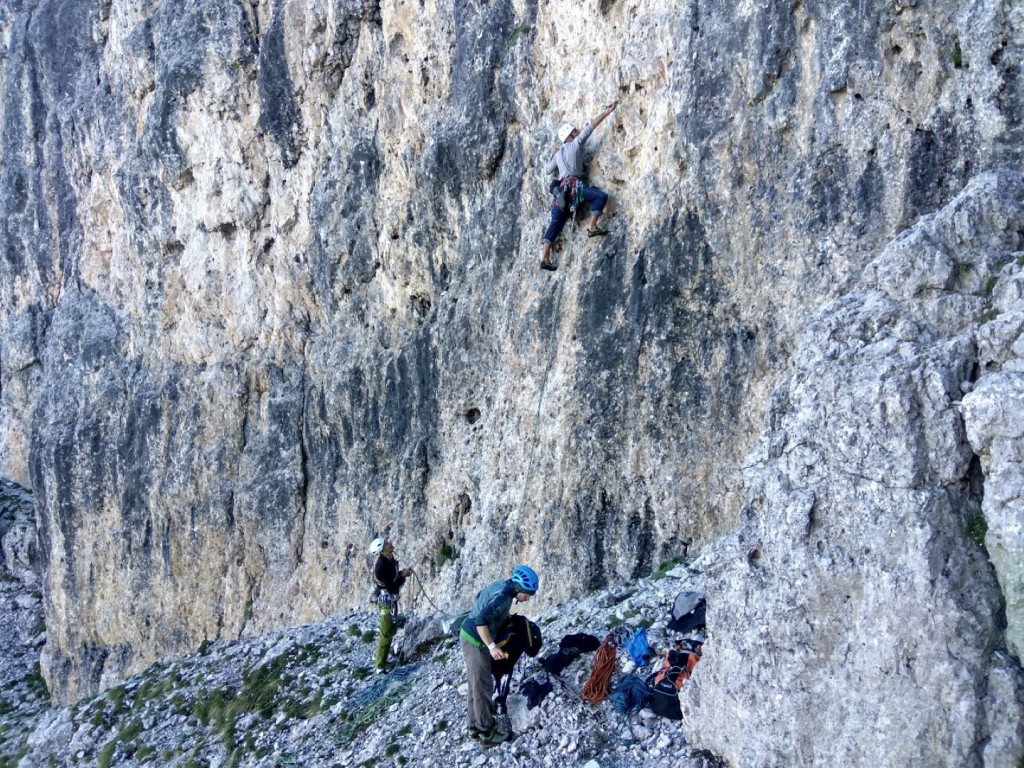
[
  {"x": 385, "y": 599},
  {"x": 572, "y": 191}
]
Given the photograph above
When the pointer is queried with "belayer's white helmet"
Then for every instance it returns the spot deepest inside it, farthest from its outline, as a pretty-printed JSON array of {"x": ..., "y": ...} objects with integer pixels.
[
  {"x": 377, "y": 546},
  {"x": 564, "y": 130}
]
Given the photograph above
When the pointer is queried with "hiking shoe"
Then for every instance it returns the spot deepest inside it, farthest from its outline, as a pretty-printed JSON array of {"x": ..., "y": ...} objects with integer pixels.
[
  {"x": 381, "y": 670},
  {"x": 597, "y": 232},
  {"x": 475, "y": 733},
  {"x": 548, "y": 266},
  {"x": 493, "y": 738}
]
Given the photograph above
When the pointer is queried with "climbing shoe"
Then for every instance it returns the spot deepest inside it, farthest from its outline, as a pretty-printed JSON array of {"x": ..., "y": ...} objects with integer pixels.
[
  {"x": 493, "y": 738},
  {"x": 597, "y": 232},
  {"x": 548, "y": 266}
]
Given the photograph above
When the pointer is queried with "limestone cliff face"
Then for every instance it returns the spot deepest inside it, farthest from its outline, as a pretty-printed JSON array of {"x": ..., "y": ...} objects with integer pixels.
[
  {"x": 861, "y": 586},
  {"x": 270, "y": 283}
]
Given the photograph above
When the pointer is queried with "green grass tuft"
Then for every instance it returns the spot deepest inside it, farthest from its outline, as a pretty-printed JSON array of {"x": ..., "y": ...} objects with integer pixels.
[
  {"x": 445, "y": 554},
  {"x": 36, "y": 683},
  {"x": 958, "y": 57},
  {"x": 977, "y": 527},
  {"x": 665, "y": 567},
  {"x": 265, "y": 691},
  {"x": 126, "y": 737}
]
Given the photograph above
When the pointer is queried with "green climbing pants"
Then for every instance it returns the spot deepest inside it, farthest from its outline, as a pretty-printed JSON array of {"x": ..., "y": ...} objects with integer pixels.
[{"x": 387, "y": 634}]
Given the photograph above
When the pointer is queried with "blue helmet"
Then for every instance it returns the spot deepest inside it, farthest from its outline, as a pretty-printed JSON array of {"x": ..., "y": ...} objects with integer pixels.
[{"x": 525, "y": 579}]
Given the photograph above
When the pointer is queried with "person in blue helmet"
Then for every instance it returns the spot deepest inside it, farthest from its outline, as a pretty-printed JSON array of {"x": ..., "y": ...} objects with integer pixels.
[{"x": 477, "y": 638}]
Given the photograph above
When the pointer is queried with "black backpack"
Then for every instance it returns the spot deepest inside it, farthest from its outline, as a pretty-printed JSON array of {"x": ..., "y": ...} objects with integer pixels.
[
  {"x": 518, "y": 636},
  {"x": 665, "y": 683}
]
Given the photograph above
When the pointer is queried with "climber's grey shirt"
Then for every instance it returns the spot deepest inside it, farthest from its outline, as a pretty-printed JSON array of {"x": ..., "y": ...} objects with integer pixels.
[{"x": 568, "y": 159}]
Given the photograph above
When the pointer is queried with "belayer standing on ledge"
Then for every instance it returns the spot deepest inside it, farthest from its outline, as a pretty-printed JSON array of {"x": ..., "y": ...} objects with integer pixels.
[
  {"x": 389, "y": 581},
  {"x": 567, "y": 161},
  {"x": 478, "y": 639}
]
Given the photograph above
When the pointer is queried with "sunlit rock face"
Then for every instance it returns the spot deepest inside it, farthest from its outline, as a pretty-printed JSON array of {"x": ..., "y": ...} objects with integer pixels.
[{"x": 270, "y": 286}]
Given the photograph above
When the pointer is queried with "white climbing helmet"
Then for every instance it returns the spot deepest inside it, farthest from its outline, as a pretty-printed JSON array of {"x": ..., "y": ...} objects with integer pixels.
[
  {"x": 377, "y": 545},
  {"x": 564, "y": 130}
]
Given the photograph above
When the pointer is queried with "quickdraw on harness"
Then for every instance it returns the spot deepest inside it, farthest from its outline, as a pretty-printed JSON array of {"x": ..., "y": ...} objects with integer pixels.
[
  {"x": 567, "y": 193},
  {"x": 385, "y": 598}
]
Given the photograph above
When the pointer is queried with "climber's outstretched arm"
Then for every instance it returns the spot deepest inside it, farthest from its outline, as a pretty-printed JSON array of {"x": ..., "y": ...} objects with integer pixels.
[{"x": 596, "y": 119}]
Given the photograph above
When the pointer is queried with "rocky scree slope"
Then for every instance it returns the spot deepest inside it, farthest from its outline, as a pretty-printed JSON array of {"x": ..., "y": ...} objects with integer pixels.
[
  {"x": 307, "y": 696},
  {"x": 24, "y": 698}
]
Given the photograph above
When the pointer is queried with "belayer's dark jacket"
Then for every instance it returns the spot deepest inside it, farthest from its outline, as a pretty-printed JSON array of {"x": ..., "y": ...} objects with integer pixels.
[{"x": 387, "y": 574}]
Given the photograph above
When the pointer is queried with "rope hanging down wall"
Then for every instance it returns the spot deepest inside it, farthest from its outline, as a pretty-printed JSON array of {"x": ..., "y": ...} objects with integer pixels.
[{"x": 547, "y": 369}]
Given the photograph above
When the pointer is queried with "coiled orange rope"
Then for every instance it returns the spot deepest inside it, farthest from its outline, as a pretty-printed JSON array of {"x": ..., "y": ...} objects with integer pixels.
[{"x": 597, "y": 687}]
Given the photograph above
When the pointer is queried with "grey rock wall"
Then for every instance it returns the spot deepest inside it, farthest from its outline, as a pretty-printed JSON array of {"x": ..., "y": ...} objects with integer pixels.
[
  {"x": 269, "y": 286},
  {"x": 860, "y": 587},
  {"x": 992, "y": 415}
]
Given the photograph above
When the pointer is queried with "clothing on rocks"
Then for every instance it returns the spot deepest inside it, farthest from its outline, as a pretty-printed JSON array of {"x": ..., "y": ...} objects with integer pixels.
[
  {"x": 688, "y": 612},
  {"x": 535, "y": 690},
  {"x": 570, "y": 647}
]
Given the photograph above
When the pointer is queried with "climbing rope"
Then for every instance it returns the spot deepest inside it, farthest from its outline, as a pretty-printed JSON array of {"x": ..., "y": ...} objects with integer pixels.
[
  {"x": 547, "y": 369},
  {"x": 630, "y": 695},
  {"x": 423, "y": 592},
  {"x": 366, "y": 707},
  {"x": 596, "y": 688}
]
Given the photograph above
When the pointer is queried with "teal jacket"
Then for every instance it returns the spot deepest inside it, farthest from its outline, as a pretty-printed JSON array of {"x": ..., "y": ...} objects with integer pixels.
[{"x": 491, "y": 609}]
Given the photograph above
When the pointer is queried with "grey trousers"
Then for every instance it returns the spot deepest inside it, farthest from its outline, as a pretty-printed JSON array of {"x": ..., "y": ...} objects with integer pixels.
[{"x": 481, "y": 686}]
